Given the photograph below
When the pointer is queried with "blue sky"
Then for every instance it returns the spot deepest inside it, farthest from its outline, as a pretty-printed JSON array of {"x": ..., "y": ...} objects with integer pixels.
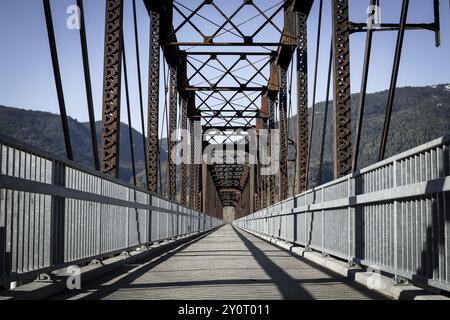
[{"x": 26, "y": 78}]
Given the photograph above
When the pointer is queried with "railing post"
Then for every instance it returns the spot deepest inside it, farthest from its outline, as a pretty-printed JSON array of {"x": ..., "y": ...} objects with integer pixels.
[
  {"x": 57, "y": 239},
  {"x": 396, "y": 244},
  {"x": 150, "y": 219},
  {"x": 323, "y": 222},
  {"x": 349, "y": 222}
]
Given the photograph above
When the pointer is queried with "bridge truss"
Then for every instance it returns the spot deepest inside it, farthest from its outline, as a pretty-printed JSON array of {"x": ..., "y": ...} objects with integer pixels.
[{"x": 229, "y": 68}]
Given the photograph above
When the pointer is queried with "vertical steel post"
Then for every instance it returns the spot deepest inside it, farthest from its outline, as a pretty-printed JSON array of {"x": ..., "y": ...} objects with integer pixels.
[
  {"x": 173, "y": 101},
  {"x": 130, "y": 128},
  {"x": 184, "y": 177},
  {"x": 362, "y": 97},
  {"x": 325, "y": 116},
  {"x": 57, "y": 77},
  {"x": 111, "y": 88},
  {"x": 141, "y": 100},
  {"x": 204, "y": 188},
  {"x": 153, "y": 103},
  {"x": 193, "y": 182},
  {"x": 283, "y": 134},
  {"x": 199, "y": 193},
  {"x": 394, "y": 77},
  {"x": 88, "y": 86},
  {"x": 341, "y": 105},
  {"x": 251, "y": 185},
  {"x": 302, "y": 104},
  {"x": 57, "y": 220},
  {"x": 271, "y": 178}
]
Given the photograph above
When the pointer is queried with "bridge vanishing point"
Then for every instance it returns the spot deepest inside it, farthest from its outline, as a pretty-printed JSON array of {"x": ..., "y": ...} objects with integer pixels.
[{"x": 227, "y": 229}]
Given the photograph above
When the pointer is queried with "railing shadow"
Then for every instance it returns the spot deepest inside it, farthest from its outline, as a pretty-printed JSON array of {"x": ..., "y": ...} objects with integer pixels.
[
  {"x": 280, "y": 278},
  {"x": 103, "y": 291}
]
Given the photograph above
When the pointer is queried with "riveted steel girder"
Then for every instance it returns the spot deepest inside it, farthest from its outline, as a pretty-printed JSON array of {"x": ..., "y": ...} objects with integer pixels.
[
  {"x": 184, "y": 175},
  {"x": 173, "y": 100},
  {"x": 302, "y": 104},
  {"x": 111, "y": 88},
  {"x": 153, "y": 103},
  {"x": 342, "y": 102},
  {"x": 283, "y": 135}
]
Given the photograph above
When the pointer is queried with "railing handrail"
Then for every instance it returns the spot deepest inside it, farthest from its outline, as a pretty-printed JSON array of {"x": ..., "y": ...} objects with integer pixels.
[
  {"x": 401, "y": 226},
  {"x": 56, "y": 213},
  {"x": 422, "y": 148},
  {"x": 12, "y": 142}
]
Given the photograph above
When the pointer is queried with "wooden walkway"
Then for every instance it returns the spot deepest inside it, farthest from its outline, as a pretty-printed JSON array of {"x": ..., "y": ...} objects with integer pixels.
[{"x": 225, "y": 264}]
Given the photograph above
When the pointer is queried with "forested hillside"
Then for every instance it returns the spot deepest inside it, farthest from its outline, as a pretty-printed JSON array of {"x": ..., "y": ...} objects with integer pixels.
[{"x": 421, "y": 114}]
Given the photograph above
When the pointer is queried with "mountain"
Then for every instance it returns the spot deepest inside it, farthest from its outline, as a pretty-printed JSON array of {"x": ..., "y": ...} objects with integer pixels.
[
  {"x": 420, "y": 114},
  {"x": 43, "y": 130}
]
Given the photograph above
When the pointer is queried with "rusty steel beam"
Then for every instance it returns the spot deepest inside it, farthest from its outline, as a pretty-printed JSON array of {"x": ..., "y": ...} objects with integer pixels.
[
  {"x": 341, "y": 105},
  {"x": 193, "y": 176},
  {"x": 283, "y": 135},
  {"x": 111, "y": 88},
  {"x": 302, "y": 143},
  {"x": 184, "y": 166},
  {"x": 153, "y": 103},
  {"x": 199, "y": 185},
  {"x": 263, "y": 123},
  {"x": 173, "y": 101},
  {"x": 271, "y": 178}
]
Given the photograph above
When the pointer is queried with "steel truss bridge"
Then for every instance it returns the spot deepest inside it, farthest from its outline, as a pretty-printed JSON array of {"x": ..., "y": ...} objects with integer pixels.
[{"x": 208, "y": 71}]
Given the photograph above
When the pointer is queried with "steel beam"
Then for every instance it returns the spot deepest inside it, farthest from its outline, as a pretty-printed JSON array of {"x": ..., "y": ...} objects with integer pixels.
[
  {"x": 173, "y": 101},
  {"x": 302, "y": 105},
  {"x": 271, "y": 178},
  {"x": 199, "y": 186},
  {"x": 394, "y": 78},
  {"x": 153, "y": 103},
  {"x": 184, "y": 175},
  {"x": 88, "y": 86},
  {"x": 283, "y": 135},
  {"x": 193, "y": 176},
  {"x": 341, "y": 105},
  {"x": 363, "y": 91},
  {"x": 57, "y": 77},
  {"x": 111, "y": 88},
  {"x": 251, "y": 187},
  {"x": 205, "y": 188}
]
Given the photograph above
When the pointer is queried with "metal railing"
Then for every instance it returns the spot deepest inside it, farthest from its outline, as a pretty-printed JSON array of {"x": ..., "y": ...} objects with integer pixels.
[
  {"x": 55, "y": 213},
  {"x": 393, "y": 215}
]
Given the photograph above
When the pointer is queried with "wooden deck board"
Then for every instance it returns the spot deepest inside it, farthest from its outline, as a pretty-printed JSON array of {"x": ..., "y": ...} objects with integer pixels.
[{"x": 226, "y": 264}]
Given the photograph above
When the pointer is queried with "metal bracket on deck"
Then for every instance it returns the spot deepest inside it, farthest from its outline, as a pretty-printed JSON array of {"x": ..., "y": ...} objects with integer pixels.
[
  {"x": 45, "y": 277},
  {"x": 143, "y": 248},
  {"x": 96, "y": 262},
  {"x": 125, "y": 254},
  {"x": 400, "y": 281}
]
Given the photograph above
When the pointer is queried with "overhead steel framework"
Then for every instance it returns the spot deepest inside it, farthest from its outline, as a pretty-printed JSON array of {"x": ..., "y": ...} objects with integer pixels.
[
  {"x": 226, "y": 71},
  {"x": 228, "y": 91}
]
